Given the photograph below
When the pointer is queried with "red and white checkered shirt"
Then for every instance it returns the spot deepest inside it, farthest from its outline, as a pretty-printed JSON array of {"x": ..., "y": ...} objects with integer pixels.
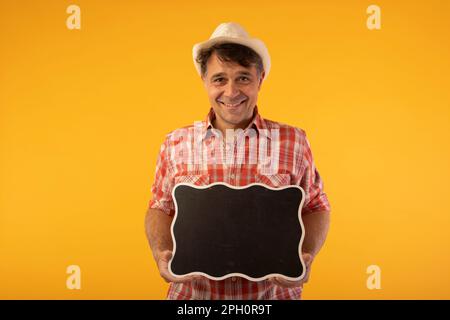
[{"x": 193, "y": 154}]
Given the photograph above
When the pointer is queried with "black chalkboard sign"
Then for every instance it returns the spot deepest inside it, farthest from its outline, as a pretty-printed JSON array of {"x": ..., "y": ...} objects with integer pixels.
[{"x": 254, "y": 232}]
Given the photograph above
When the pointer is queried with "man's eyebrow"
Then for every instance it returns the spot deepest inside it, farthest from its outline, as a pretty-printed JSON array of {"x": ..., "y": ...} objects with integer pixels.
[
  {"x": 220, "y": 74},
  {"x": 245, "y": 73}
]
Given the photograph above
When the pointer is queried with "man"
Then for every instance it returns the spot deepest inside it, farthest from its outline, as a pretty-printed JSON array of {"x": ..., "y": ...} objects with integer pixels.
[{"x": 233, "y": 66}]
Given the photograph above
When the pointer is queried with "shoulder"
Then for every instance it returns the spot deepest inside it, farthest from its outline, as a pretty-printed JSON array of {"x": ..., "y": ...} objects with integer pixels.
[
  {"x": 186, "y": 132},
  {"x": 286, "y": 131}
]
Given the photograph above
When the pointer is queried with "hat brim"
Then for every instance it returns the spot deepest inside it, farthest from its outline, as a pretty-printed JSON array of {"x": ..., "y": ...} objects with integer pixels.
[{"x": 257, "y": 45}]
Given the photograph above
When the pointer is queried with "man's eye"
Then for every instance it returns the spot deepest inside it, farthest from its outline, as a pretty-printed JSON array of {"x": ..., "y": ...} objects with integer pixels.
[
  {"x": 245, "y": 78},
  {"x": 218, "y": 79}
]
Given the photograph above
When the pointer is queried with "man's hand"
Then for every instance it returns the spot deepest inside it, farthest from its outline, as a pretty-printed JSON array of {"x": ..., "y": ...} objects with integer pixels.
[
  {"x": 307, "y": 259},
  {"x": 163, "y": 266}
]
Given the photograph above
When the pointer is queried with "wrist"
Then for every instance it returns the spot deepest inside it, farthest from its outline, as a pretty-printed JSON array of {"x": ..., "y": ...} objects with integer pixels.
[{"x": 163, "y": 254}]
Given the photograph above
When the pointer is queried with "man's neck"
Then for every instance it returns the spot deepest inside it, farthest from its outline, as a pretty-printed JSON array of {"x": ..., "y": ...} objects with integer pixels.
[{"x": 223, "y": 127}]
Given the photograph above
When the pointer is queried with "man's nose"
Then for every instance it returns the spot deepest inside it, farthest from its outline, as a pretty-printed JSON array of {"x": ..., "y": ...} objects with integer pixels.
[{"x": 231, "y": 90}]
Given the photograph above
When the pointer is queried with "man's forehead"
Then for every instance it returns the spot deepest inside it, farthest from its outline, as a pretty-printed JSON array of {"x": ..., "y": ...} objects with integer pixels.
[
  {"x": 217, "y": 67},
  {"x": 242, "y": 72}
]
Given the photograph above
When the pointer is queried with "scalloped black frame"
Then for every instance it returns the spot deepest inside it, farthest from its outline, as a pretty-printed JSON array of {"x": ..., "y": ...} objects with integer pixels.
[{"x": 253, "y": 231}]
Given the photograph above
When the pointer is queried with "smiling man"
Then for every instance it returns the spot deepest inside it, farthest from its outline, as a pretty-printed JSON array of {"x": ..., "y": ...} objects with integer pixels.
[
  {"x": 232, "y": 90},
  {"x": 233, "y": 67}
]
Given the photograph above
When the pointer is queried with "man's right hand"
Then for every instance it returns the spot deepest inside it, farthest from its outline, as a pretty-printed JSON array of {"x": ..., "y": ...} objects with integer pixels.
[{"x": 163, "y": 266}]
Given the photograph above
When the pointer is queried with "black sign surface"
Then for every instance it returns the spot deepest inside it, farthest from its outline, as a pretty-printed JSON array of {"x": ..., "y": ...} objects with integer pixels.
[{"x": 255, "y": 231}]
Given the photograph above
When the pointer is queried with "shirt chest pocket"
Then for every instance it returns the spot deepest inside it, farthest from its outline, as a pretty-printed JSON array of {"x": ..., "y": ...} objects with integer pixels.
[
  {"x": 195, "y": 179},
  {"x": 274, "y": 180}
]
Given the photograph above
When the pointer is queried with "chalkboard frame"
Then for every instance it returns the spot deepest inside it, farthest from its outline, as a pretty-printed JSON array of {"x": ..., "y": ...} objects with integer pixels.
[{"x": 237, "y": 274}]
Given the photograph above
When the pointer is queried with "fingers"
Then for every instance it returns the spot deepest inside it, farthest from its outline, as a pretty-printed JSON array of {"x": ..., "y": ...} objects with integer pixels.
[
  {"x": 163, "y": 266},
  {"x": 165, "y": 274},
  {"x": 168, "y": 277},
  {"x": 307, "y": 258}
]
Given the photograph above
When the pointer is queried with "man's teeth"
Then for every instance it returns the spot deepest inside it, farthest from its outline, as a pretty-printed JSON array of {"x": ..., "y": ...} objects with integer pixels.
[{"x": 232, "y": 105}]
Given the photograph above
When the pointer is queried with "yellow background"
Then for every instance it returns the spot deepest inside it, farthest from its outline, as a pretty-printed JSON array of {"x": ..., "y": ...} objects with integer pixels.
[{"x": 83, "y": 113}]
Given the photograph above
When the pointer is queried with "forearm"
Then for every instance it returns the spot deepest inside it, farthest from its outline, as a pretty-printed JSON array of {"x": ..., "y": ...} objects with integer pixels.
[
  {"x": 316, "y": 229},
  {"x": 157, "y": 228}
]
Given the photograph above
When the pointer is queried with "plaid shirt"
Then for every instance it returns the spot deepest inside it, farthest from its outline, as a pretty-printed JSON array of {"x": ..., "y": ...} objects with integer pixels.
[{"x": 190, "y": 155}]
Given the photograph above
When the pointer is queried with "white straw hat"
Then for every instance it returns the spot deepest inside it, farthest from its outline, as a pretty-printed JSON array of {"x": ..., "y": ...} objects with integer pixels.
[{"x": 234, "y": 33}]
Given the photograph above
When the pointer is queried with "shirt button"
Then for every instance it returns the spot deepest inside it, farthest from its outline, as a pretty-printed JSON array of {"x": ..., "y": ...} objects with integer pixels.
[{"x": 233, "y": 279}]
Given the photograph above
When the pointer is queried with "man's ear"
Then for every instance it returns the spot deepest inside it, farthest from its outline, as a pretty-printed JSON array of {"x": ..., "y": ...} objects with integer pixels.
[
  {"x": 261, "y": 78},
  {"x": 203, "y": 77}
]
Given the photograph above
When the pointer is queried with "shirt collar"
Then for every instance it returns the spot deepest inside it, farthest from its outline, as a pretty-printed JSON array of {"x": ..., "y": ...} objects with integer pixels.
[{"x": 257, "y": 123}]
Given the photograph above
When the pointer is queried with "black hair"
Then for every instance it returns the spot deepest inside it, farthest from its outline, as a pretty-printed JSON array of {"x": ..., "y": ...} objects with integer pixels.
[{"x": 230, "y": 52}]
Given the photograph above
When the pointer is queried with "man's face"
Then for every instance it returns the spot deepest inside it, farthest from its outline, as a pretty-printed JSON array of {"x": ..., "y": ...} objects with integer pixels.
[{"x": 232, "y": 91}]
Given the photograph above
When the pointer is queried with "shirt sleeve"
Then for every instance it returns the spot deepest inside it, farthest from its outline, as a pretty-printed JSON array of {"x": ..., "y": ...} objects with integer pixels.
[
  {"x": 311, "y": 182},
  {"x": 163, "y": 183}
]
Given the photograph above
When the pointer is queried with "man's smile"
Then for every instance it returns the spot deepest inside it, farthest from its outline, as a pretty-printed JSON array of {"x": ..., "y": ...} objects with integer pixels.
[{"x": 233, "y": 105}]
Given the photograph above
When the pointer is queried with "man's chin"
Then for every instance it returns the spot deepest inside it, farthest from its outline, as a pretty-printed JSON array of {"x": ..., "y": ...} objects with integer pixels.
[
  {"x": 231, "y": 110},
  {"x": 234, "y": 119}
]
